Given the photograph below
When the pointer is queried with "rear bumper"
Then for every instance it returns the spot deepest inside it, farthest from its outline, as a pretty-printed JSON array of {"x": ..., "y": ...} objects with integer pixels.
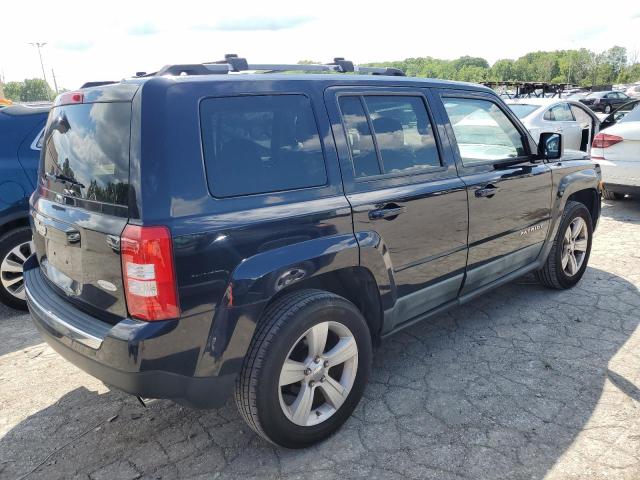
[{"x": 141, "y": 358}]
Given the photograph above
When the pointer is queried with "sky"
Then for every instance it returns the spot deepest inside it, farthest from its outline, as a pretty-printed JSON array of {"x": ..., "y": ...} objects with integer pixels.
[{"x": 91, "y": 41}]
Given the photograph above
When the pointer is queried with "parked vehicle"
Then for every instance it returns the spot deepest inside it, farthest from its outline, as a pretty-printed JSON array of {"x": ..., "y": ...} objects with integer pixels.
[
  {"x": 202, "y": 234},
  {"x": 21, "y": 130},
  {"x": 577, "y": 123},
  {"x": 617, "y": 150},
  {"x": 633, "y": 91},
  {"x": 605, "y": 101}
]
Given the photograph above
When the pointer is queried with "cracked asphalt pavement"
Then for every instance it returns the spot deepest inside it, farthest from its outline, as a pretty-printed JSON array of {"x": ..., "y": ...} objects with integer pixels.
[{"x": 522, "y": 383}]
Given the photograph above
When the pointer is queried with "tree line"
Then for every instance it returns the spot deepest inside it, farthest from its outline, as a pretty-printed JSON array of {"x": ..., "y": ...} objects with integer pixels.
[
  {"x": 577, "y": 67},
  {"x": 29, "y": 90}
]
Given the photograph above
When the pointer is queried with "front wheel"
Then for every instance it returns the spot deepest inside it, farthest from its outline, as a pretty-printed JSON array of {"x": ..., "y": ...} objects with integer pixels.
[
  {"x": 15, "y": 248},
  {"x": 569, "y": 255},
  {"x": 306, "y": 368}
]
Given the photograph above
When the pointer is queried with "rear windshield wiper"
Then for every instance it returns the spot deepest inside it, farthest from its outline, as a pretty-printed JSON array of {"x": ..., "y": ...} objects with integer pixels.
[{"x": 58, "y": 177}]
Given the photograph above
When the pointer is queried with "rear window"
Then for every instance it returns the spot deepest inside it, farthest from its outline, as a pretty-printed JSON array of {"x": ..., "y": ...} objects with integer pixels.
[
  {"x": 86, "y": 152},
  {"x": 522, "y": 110},
  {"x": 261, "y": 144}
]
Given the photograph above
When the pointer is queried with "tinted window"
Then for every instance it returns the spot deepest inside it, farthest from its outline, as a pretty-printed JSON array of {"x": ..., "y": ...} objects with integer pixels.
[
  {"x": 260, "y": 144},
  {"x": 363, "y": 151},
  {"x": 403, "y": 134},
  {"x": 88, "y": 145},
  {"x": 483, "y": 132}
]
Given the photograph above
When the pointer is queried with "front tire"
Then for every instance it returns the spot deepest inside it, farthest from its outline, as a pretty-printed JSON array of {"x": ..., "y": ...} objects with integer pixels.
[
  {"x": 569, "y": 255},
  {"x": 306, "y": 368},
  {"x": 15, "y": 247}
]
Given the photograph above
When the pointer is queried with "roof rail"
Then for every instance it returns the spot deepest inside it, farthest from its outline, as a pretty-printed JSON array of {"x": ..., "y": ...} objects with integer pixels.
[{"x": 234, "y": 64}]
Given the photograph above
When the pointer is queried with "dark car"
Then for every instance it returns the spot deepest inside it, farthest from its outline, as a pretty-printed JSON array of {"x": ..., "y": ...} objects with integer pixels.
[
  {"x": 619, "y": 113},
  {"x": 605, "y": 101},
  {"x": 200, "y": 234},
  {"x": 21, "y": 130}
]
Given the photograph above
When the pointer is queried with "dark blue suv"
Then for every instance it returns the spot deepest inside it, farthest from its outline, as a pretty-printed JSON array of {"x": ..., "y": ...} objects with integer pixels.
[
  {"x": 21, "y": 130},
  {"x": 202, "y": 232}
]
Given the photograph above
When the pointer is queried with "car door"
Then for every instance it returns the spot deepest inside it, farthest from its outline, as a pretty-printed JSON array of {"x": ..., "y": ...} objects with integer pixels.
[
  {"x": 406, "y": 197},
  {"x": 589, "y": 125},
  {"x": 508, "y": 188},
  {"x": 565, "y": 123}
]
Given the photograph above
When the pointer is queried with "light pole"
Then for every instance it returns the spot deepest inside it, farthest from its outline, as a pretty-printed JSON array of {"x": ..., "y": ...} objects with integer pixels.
[{"x": 39, "y": 45}]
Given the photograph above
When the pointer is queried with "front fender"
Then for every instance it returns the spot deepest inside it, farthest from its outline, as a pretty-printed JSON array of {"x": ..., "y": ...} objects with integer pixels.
[{"x": 569, "y": 178}]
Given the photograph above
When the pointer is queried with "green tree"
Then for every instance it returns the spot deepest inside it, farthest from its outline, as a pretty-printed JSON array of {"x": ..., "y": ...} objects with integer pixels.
[
  {"x": 36, "y": 89},
  {"x": 13, "y": 90},
  {"x": 502, "y": 70}
]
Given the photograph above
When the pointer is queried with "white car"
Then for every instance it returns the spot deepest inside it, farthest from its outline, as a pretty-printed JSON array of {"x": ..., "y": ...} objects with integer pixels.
[
  {"x": 576, "y": 122},
  {"x": 634, "y": 91},
  {"x": 617, "y": 150}
]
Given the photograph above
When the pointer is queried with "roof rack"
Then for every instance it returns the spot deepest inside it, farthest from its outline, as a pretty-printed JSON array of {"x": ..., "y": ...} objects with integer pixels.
[{"x": 234, "y": 64}]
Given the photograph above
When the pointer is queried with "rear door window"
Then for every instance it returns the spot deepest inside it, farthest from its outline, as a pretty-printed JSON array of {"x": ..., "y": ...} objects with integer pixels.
[
  {"x": 561, "y": 113},
  {"x": 400, "y": 125},
  {"x": 260, "y": 144}
]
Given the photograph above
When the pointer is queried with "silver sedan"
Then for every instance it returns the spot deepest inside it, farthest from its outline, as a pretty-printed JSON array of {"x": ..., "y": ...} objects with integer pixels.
[{"x": 577, "y": 124}]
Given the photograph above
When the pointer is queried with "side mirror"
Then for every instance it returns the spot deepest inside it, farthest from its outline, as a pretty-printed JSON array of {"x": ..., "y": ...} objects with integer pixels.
[{"x": 550, "y": 146}]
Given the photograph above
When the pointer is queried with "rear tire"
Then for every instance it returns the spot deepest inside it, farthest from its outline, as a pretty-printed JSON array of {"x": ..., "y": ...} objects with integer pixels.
[
  {"x": 569, "y": 255},
  {"x": 608, "y": 195},
  {"x": 15, "y": 247},
  {"x": 284, "y": 342}
]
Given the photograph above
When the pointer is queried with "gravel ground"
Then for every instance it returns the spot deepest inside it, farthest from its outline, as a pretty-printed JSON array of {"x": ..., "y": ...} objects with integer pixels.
[{"x": 522, "y": 383}]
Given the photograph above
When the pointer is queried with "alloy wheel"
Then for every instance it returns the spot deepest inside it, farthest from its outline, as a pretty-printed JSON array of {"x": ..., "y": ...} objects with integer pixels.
[
  {"x": 318, "y": 373},
  {"x": 11, "y": 269},
  {"x": 574, "y": 246}
]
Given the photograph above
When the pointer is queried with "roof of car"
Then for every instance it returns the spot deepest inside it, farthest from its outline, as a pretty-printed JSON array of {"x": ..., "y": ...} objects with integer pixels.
[{"x": 20, "y": 110}]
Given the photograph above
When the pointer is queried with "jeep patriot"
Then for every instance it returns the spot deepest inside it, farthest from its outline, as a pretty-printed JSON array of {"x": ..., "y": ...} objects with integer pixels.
[{"x": 223, "y": 229}]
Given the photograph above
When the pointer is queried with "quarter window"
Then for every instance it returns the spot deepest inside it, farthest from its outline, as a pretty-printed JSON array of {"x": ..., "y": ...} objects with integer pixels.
[
  {"x": 402, "y": 130},
  {"x": 260, "y": 144},
  {"x": 483, "y": 132}
]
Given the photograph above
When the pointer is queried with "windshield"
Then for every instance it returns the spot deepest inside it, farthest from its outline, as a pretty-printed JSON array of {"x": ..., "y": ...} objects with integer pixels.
[{"x": 522, "y": 110}]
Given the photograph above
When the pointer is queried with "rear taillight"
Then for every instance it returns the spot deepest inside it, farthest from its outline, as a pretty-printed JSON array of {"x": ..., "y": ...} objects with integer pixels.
[
  {"x": 149, "y": 273},
  {"x": 68, "y": 98},
  {"x": 604, "y": 140}
]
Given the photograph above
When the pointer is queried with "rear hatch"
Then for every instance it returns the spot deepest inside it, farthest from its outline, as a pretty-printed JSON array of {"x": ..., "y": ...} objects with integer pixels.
[{"x": 82, "y": 202}]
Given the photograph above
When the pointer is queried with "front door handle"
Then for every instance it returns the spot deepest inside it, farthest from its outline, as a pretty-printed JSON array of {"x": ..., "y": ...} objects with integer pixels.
[
  {"x": 486, "y": 192},
  {"x": 388, "y": 212}
]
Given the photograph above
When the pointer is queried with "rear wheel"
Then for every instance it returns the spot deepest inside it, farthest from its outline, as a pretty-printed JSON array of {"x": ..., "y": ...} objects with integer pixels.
[
  {"x": 306, "y": 368},
  {"x": 608, "y": 195},
  {"x": 15, "y": 247},
  {"x": 569, "y": 255}
]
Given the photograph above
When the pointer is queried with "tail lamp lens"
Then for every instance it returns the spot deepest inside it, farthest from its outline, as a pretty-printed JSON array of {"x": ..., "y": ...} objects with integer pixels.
[
  {"x": 148, "y": 272},
  {"x": 604, "y": 140}
]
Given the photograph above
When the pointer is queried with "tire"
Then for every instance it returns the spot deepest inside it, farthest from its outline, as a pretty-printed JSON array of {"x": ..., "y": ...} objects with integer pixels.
[
  {"x": 607, "y": 109},
  {"x": 553, "y": 274},
  {"x": 283, "y": 334},
  {"x": 15, "y": 248},
  {"x": 608, "y": 195}
]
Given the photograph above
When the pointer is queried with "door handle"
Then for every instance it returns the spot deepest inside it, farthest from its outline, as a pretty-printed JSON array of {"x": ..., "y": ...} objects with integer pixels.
[
  {"x": 486, "y": 192},
  {"x": 388, "y": 212}
]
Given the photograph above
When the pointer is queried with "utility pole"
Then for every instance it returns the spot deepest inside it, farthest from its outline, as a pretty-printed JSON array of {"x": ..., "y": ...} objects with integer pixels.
[
  {"x": 40, "y": 45},
  {"x": 55, "y": 83}
]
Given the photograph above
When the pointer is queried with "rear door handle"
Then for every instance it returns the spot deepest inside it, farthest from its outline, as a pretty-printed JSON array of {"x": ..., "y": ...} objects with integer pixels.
[
  {"x": 389, "y": 212},
  {"x": 488, "y": 191}
]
